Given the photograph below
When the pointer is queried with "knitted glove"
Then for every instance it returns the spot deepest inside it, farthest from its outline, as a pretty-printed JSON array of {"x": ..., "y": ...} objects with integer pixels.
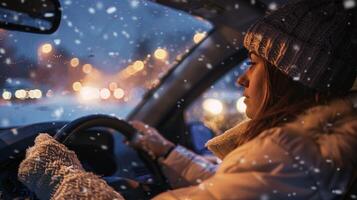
[
  {"x": 52, "y": 171},
  {"x": 150, "y": 140}
]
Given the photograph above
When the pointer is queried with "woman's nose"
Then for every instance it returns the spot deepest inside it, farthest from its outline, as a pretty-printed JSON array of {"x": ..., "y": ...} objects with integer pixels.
[{"x": 242, "y": 80}]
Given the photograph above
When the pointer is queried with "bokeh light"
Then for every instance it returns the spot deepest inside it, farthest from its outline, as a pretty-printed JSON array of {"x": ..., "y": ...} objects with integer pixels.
[
  {"x": 74, "y": 62},
  {"x": 160, "y": 54},
  {"x": 87, "y": 68},
  {"x": 118, "y": 93},
  {"x": 213, "y": 106},
  {"x": 198, "y": 37},
  {"x": 76, "y": 86},
  {"x": 6, "y": 95},
  {"x": 104, "y": 93},
  {"x": 240, "y": 105},
  {"x": 46, "y": 48}
]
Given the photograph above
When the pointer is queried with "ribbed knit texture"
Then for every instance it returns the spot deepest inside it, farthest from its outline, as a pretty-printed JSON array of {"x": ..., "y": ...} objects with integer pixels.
[
  {"x": 312, "y": 41},
  {"x": 54, "y": 172}
]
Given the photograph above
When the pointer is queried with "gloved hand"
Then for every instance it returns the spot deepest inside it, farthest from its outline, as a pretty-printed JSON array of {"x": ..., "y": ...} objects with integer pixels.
[
  {"x": 53, "y": 171},
  {"x": 150, "y": 140},
  {"x": 45, "y": 165}
]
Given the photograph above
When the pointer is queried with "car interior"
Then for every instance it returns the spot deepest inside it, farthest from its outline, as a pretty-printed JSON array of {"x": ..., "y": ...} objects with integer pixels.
[{"x": 98, "y": 139}]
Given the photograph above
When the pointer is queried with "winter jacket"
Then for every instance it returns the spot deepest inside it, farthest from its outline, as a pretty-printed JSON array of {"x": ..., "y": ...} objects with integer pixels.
[{"x": 312, "y": 157}]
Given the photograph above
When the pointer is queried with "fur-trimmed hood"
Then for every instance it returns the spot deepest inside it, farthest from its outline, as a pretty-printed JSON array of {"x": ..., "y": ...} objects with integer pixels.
[{"x": 333, "y": 127}]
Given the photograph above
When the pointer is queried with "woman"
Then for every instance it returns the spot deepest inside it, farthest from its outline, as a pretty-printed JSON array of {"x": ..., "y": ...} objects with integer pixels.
[{"x": 300, "y": 142}]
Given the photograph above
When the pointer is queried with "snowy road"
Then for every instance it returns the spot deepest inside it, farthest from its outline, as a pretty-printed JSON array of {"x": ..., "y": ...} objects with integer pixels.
[{"x": 57, "y": 109}]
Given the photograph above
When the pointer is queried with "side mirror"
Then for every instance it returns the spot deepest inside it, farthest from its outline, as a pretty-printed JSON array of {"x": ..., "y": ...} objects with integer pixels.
[
  {"x": 199, "y": 134},
  {"x": 35, "y": 16}
]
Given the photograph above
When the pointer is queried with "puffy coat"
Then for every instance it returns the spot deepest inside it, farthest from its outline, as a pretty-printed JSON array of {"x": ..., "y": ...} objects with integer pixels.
[{"x": 312, "y": 157}]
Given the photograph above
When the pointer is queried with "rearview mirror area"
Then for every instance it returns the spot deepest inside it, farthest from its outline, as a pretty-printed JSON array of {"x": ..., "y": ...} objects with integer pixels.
[{"x": 34, "y": 16}]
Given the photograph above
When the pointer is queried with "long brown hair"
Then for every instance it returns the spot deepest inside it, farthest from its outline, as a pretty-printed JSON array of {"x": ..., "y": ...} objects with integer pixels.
[{"x": 284, "y": 100}]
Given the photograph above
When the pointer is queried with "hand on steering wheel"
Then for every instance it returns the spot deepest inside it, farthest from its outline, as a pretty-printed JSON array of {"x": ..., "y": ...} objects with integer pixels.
[
  {"x": 150, "y": 140},
  {"x": 44, "y": 166}
]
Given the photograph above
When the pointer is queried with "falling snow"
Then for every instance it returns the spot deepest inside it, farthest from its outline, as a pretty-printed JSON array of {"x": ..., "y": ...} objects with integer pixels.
[
  {"x": 273, "y": 6},
  {"x": 91, "y": 10},
  {"x": 57, "y": 41},
  {"x": 8, "y": 61},
  {"x": 111, "y": 10},
  {"x": 349, "y": 4},
  {"x": 57, "y": 113}
]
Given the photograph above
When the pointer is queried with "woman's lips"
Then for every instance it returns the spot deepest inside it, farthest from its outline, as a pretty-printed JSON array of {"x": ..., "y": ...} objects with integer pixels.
[{"x": 245, "y": 100}]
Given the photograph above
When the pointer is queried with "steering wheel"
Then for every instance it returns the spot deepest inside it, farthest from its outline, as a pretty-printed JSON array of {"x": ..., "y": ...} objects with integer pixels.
[{"x": 117, "y": 124}]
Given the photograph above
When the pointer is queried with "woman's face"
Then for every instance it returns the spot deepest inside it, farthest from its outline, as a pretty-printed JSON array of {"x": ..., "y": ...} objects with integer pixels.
[{"x": 255, "y": 86}]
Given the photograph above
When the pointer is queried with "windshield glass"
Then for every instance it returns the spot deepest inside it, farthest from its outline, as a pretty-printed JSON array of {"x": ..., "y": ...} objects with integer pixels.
[{"x": 102, "y": 59}]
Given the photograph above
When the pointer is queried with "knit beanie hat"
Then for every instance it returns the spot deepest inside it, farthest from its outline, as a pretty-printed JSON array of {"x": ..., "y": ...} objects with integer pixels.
[{"x": 312, "y": 41}]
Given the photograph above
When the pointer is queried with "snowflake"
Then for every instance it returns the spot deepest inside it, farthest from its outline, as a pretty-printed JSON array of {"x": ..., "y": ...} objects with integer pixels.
[
  {"x": 348, "y": 4},
  {"x": 337, "y": 191},
  {"x": 134, "y": 3},
  {"x": 49, "y": 15},
  {"x": 273, "y": 6},
  {"x": 69, "y": 24},
  {"x": 58, "y": 112},
  {"x": 236, "y": 6},
  {"x": 57, "y": 41},
  {"x": 156, "y": 96},
  {"x": 111, "y": 10},
  {"x": 91, "y": 10},
  {"x": 16, "y": 17},
  {"x": 68, "y": 2},
  {"x": 105, "y": 36},
  {"x": 296, "y": 47},
  {"x": 296, "y": 78},
  {"x": 134, "y": 164},
  {"x": 104, "y": 147},
  {"x": 126, "y": 34},
  {"x": 316, "y": 170},
  {"x": 8, "y": 61},
  {"x": 14, "y": 131}
]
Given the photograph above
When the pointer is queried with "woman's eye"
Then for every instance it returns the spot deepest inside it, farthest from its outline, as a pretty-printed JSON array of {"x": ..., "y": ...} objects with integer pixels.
[{"x": 250, "y": 63}]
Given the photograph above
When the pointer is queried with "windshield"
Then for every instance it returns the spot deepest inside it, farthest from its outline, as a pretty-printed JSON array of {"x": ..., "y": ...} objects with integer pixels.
[{"x": 102, "y": 59}]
